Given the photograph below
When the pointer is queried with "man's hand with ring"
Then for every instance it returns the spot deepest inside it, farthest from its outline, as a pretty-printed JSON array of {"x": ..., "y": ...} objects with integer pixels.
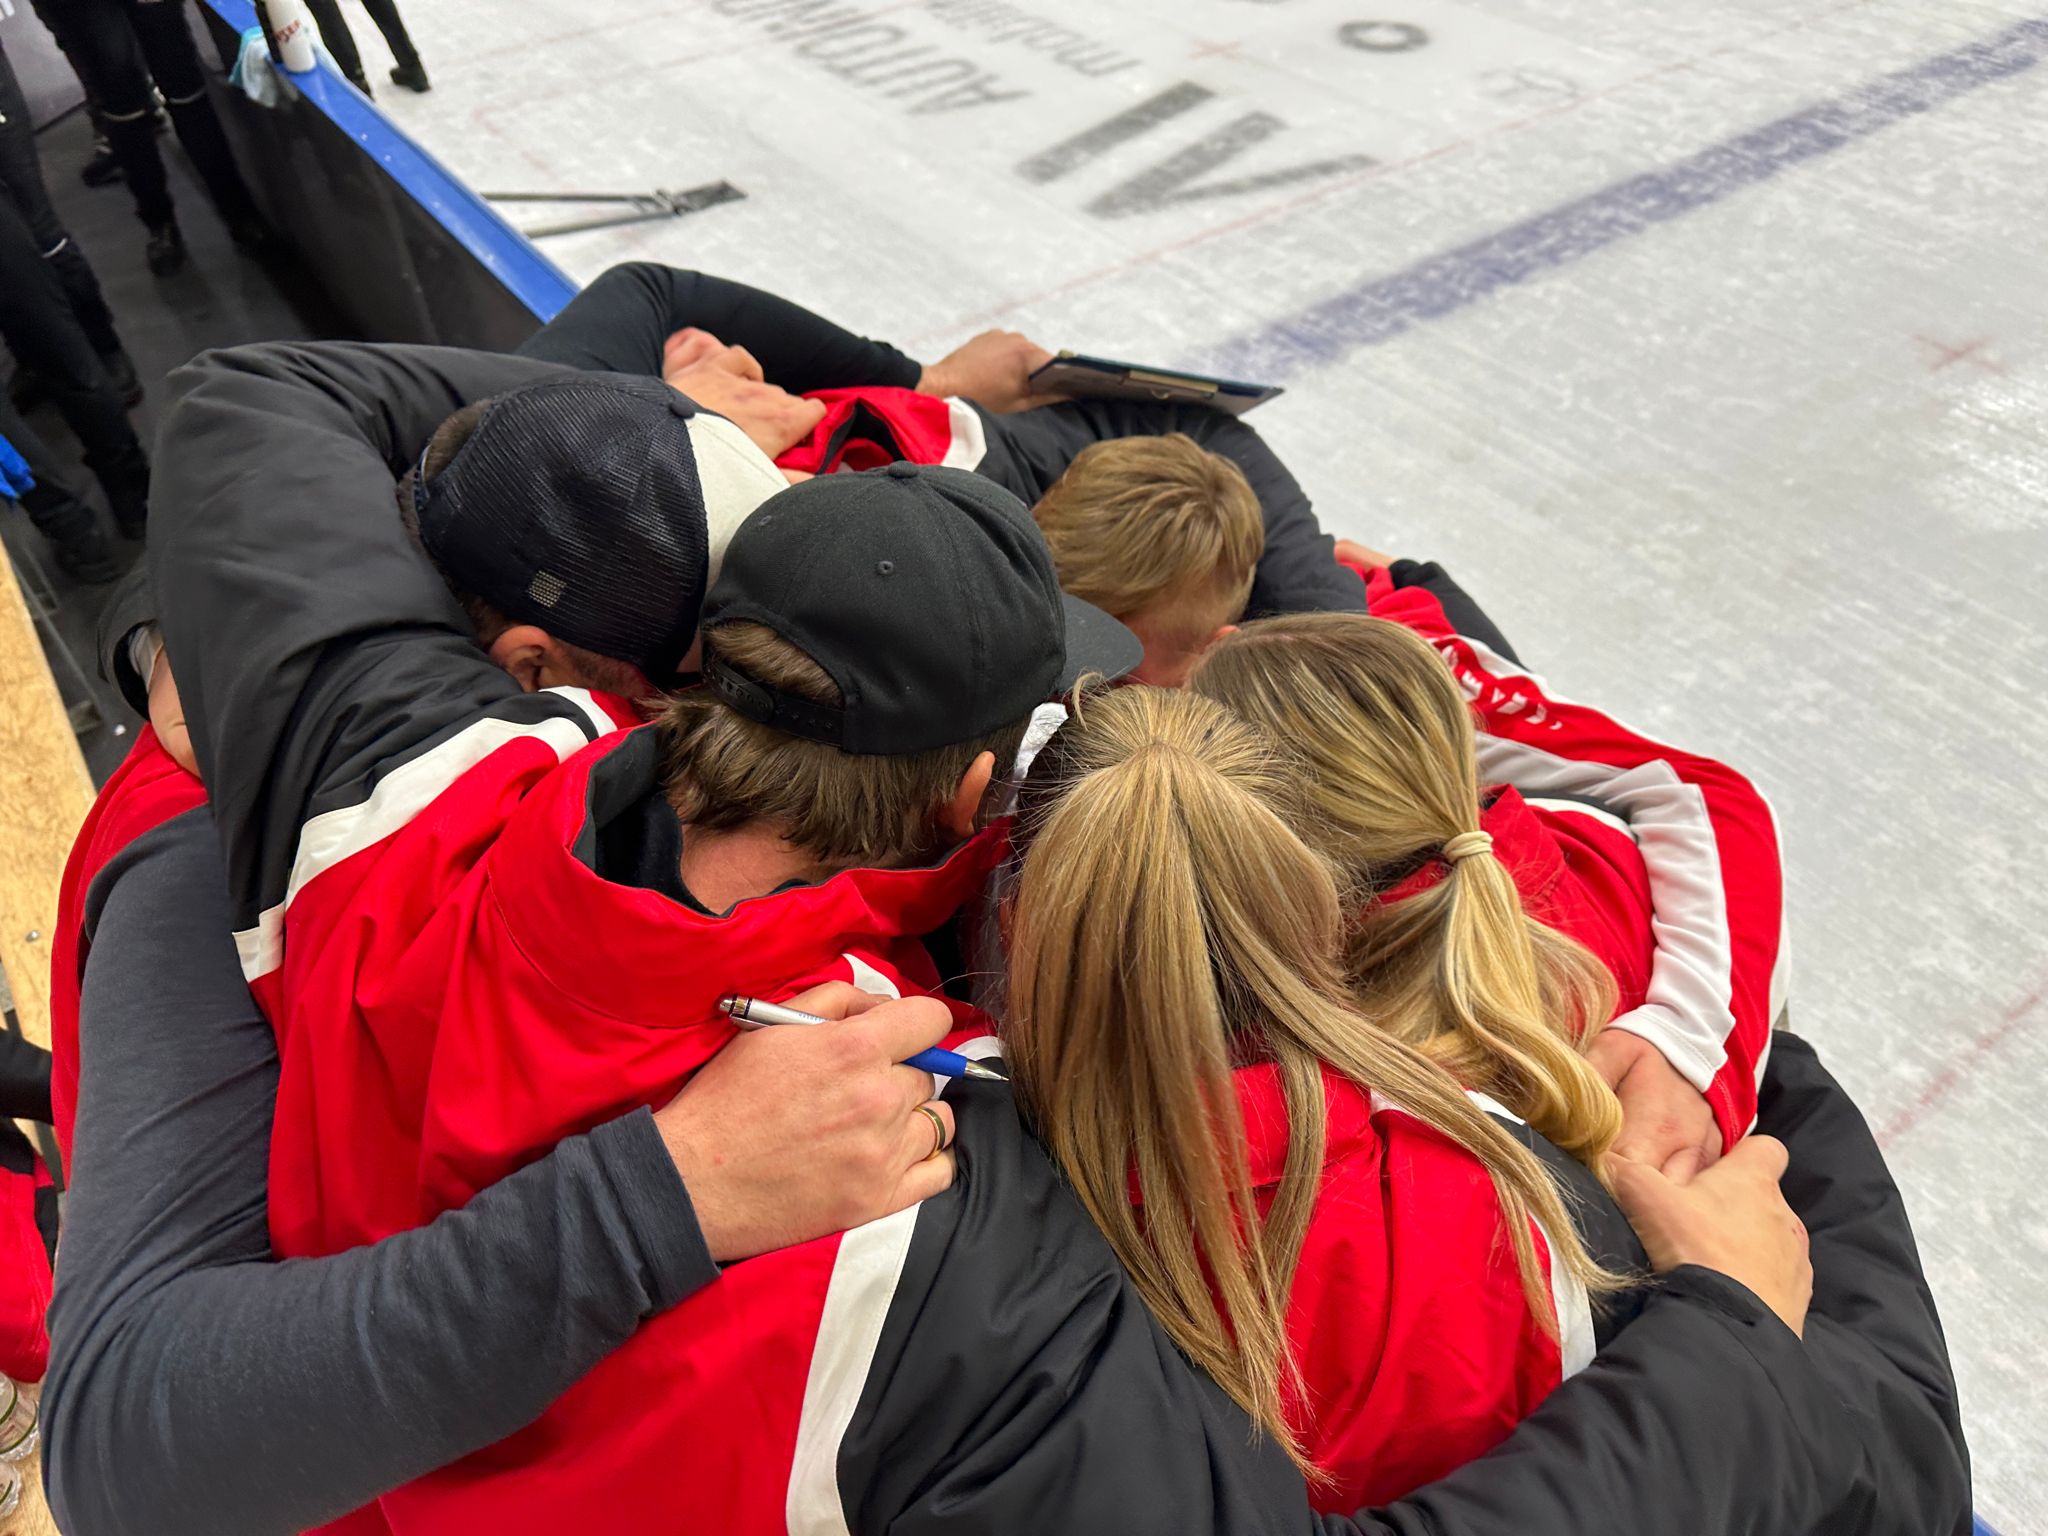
[{"x": 794, "y": 1133}]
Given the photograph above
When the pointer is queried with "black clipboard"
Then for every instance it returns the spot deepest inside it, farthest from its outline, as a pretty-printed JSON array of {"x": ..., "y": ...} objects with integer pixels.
[{"x": 1102, "y": 378}]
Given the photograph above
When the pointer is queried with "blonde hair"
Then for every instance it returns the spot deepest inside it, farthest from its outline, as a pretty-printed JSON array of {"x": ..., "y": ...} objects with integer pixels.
[
  {"x": 724, "y": 770},
  {"x": 1169, "y": 926},
  {"x": 1156, "y": 525},
  {"x": 1457, "y": 969}
]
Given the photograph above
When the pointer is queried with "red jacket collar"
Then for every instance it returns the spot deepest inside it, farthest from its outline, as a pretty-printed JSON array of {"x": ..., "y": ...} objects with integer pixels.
[
  {"x": 614, "y": 947},
  {"x": 874, "y": 425}
]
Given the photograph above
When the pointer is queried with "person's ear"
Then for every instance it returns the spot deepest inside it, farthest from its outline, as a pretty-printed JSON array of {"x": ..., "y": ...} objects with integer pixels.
[
  {"x": 523, "y": 651},
  {"x": 1222, "y": 634},
  {"x": 962, "y": 811}
]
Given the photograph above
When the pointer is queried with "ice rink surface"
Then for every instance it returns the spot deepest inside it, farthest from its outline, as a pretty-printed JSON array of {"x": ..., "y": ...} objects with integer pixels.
[{"x": 1707, "y": 343}]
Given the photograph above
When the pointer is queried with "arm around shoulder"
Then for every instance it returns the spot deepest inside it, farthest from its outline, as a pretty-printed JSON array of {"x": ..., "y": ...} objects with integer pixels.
[
  {"x": 197, "y": 1385},
  {"x": 1706, "y": 1416}
]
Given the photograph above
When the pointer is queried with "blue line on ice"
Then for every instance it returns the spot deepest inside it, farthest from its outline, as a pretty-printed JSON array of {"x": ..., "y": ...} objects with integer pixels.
[{"x": 1383, "y": 307}]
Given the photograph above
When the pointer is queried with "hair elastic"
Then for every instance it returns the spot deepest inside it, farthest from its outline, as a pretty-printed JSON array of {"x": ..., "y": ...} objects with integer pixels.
[{"x": 1466, "y": 844}]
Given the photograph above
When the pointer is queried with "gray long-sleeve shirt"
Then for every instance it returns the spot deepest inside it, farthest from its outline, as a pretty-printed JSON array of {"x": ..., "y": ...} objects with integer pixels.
[{"x": 197, "y": 1385}]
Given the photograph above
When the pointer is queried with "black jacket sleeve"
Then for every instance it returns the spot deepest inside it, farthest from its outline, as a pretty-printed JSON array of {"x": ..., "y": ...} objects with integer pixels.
[
  {"x": 198, "y": 1386},
  {"x": 1707, "y": 1416},
  {"x": 1872, "y": 1329},
  {"x": 1029, "y": 450},
  {"x": 1019, "y": 1385},
  {"x": 313, "y": 638},
  {"x": 619, "y": 323},
  {"x": 1461, "y": 609}
]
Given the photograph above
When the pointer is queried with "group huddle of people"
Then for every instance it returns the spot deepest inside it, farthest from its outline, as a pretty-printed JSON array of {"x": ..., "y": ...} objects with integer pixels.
[{"x": 1383, "y": 1119}]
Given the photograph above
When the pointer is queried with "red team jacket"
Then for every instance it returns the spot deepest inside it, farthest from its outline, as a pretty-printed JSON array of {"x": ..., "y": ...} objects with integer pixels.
[
  {"x": 1707, "y": 839},
  {"x": 460, "y": 993},
  {"x": 1402, "y": 1255},
  {"x": 868, "y": 427},
  {"x": 24, "y": 1270}
]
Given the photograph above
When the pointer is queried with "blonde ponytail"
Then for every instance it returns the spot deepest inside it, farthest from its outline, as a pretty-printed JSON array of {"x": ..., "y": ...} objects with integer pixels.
[
  {"x": 1170, "y": 925},
  {"x": 1457, "y": 968}
]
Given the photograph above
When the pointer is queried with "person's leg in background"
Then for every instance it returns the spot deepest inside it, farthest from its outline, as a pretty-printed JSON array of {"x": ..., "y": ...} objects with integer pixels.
[
  {"x": 21, "y": 178},
  {"x": 103, "y": 168},
  {"x": 409, "y": 71},
  {"x": 173, "y": 60},
  {"x": 339, "y": 42},
  {"x": 76, "y": 539},
  {"x": 43, "y": 333},
  {"x": 102, "y": 47}
]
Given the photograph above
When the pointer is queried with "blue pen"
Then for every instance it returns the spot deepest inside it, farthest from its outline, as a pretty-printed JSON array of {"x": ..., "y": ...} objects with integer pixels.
[{"x": 750, "y": 1013}]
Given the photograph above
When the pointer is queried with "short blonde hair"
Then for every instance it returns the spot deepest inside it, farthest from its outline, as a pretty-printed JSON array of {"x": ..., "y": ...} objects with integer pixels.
[
  {"x": 1138, "y": 524},
  {"x": 723, "y": 770}
]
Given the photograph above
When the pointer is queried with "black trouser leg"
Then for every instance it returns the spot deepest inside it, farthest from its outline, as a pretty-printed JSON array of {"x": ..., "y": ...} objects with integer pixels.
[
  {"x": 21, "y": 178},
  {"x": 174, "y": 61},
  {"x": 102, "y": 47},
  {"x": 56, "y": 16},
  {"x": 52, "y": 506},
  {"x": 132, "y": 138},
  {"x": 44, "y": 335},
  {"x": 392, "y": 25},
  {"x": 340, "y": 42}
]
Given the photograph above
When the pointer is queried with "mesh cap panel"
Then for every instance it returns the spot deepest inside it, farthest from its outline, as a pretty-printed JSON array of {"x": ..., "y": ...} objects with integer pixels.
[{"x": 576, "y": 505}]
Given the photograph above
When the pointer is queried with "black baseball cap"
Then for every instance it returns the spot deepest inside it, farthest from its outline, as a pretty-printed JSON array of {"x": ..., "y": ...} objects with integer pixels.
[
  {"x": 596, "y": 506},
  {"x": 927, "y": 594}
]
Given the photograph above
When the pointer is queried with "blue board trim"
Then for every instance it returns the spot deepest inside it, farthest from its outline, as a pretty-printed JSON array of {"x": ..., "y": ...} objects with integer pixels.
[{"x": 505, "y": 253}]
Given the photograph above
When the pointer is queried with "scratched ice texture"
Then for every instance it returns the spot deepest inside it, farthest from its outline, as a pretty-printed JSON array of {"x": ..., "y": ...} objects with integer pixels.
[{"x": 1707, "y": 343}]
